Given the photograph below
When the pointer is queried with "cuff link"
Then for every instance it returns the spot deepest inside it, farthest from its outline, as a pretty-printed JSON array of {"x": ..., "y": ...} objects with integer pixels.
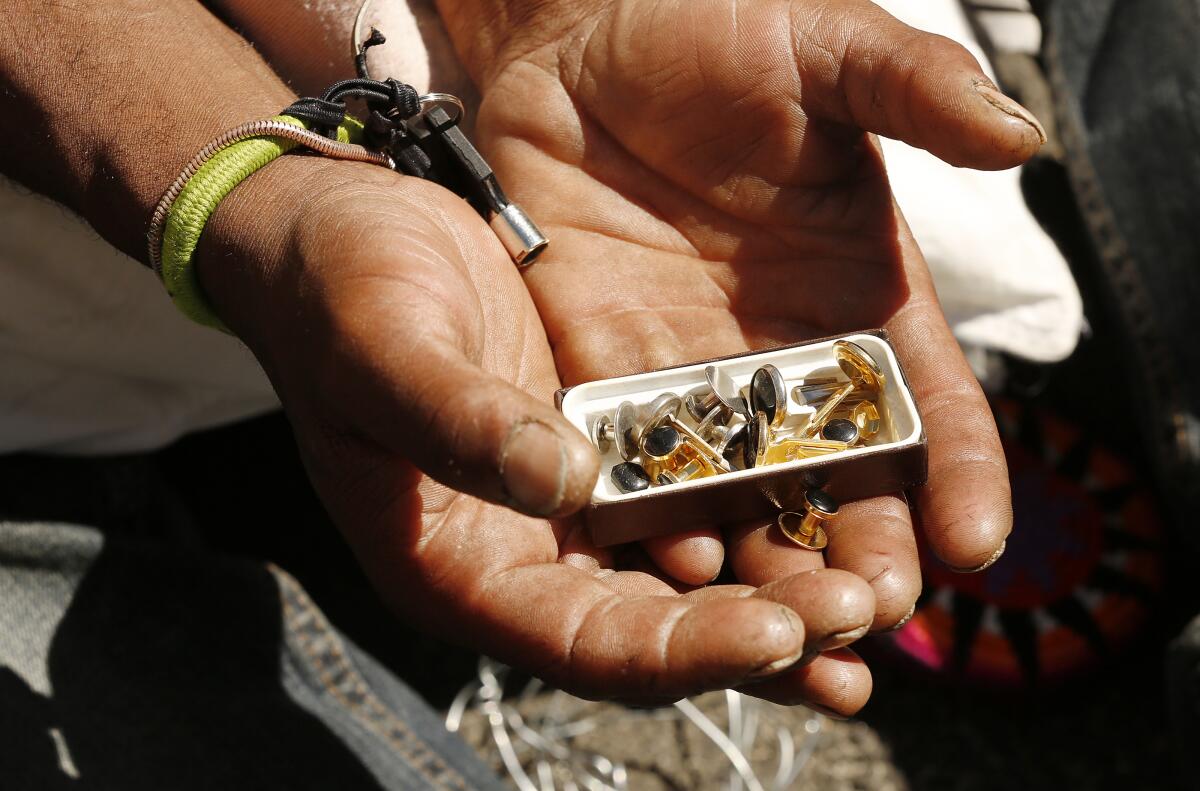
[
  {"x": 711, "y": 424},
  {"x": 700, "y": 402},
  {"x": 693, "y": 469},
  {"x": 721, "y": 391},
  {"x": 794, "y": 448},
  {"x": 840, "y": 430},
  {"x": 768, "y": 395},
  {"x": 815, "y": 392},
  {"x": 625, "y": 431},
  {"x": 865, "y": 377},
  {"x": 866, "y": 418},
  {"x": 760, "y": 448},
  {"x": 758, "y": 442},
  {"x": 670, "y": 458},
  {"x": 729, "y": 439},
  {"x": 665, "y": 410},
  {"x": 805, "y": 528}
]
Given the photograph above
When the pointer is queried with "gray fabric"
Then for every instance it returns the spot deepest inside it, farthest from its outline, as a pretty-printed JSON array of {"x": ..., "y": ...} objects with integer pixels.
[
  {"x": 40, "y": 567},
  {"x": 130, "y": 663},
  {"x": 1127, "y": 83}
]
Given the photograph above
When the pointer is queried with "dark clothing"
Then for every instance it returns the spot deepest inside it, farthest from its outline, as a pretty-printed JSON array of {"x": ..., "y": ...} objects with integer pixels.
[{"x": 147, "y": 655}]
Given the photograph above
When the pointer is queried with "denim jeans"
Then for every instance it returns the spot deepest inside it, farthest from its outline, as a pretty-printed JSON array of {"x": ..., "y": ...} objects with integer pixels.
[{"x": 134, "y": 663}]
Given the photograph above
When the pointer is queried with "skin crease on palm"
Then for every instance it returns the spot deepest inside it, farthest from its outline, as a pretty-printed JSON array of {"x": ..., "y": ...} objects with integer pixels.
[{"x": 711, "y": 192}]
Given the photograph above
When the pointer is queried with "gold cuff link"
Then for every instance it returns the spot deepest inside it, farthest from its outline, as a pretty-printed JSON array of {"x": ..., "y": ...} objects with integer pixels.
[
  {"x": 865, "y": 416},
  {"x": 670, "y": 457},
  {"x": 806, "y": 527},
  {"x": 664, "y": 410},
  {"x": 761, "y": 448},
  {"x": 865, "y": 377},
  {"x": 840, "y": 430}
]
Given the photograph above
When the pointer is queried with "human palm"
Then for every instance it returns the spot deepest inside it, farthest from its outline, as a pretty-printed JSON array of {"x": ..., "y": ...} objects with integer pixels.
[
  {"x": 686, "y": 223},
  {"x": 703, "y": 173}
]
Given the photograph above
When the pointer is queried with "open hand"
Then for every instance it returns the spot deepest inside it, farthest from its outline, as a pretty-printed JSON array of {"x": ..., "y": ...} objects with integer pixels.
[{"x": 703, "y": 171}]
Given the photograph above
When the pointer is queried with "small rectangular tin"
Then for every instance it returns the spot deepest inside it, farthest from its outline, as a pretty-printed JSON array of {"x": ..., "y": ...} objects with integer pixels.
[{"x": 896, "y": 463}]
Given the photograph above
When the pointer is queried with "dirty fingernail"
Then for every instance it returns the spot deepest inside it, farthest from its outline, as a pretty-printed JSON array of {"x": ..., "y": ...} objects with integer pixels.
[
  {"x": 903, "y": 621},
  {"x": 789, "y": 624},
  {"x": 830, "y": 713},
  {"x": 772, "y": 668},
  {"x": 533, "y": 467},
  {"x": 842, "y": 638},
  {"x": 986, "y": 564},
  {"x": 1007, "y": 106}
]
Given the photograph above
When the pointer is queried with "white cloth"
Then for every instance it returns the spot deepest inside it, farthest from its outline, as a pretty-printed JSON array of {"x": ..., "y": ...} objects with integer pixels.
[
  {"x": 1002, "y": 282},
  {"x": 95, "y": 359},
  {"x": 93, "y": 356}
]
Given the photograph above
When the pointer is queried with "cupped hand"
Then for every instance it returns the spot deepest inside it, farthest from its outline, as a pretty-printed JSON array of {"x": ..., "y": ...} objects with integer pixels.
[
  {"x": 417, "y": 376},
  {"x": 705, "y": 173}
]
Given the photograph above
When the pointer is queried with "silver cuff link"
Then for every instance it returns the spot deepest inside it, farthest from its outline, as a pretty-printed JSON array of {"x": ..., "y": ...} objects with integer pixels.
[
  {"x": 625, "y": 431},
  {"x": 721, "y": 392}
]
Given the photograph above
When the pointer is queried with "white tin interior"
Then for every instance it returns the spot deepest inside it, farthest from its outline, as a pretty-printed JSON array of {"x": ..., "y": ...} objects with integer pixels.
[{"x": 902, "y": 425}]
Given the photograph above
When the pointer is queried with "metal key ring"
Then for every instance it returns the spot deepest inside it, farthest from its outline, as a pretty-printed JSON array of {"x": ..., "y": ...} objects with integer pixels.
[{"x": 430, "y": 100}]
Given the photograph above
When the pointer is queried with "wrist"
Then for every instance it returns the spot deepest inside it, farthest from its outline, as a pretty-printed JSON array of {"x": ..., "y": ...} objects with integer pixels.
[{"x": 248, "y": 258}]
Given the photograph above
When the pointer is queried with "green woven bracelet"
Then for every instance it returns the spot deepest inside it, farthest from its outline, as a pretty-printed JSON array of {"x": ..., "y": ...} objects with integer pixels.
[{"x": 212, "y": 174}]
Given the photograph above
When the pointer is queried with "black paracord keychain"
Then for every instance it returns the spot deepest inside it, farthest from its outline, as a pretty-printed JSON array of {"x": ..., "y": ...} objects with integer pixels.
[{"x": 425, "y": 141}]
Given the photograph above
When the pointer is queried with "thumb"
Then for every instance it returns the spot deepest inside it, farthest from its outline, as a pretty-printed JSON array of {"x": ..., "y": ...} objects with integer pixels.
[
  {"x": 397, "y": 321},
  {"x": 865, "y": 68},
  {"x": 477, "y": 433},
  {"x": 438, "y": 355}
]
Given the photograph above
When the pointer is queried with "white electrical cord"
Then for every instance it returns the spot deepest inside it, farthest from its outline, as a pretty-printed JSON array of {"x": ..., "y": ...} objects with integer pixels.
[{"x": 539, "y": 755}]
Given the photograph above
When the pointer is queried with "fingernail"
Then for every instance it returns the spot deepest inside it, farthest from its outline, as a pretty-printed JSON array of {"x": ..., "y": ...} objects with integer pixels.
[
  {"x": 1007, "y": 106},
  {"x": 810, "y": 653},
  {"x": 785, "y": 621},
  {"x": 987, "y": 563},
  {"x": 830, "y": 713},
  {"x": 900, "y": 624},
  {"x": 778, "y": 666},
  {"x": 831, "y": 642},
  {"x": 842, "y": 638},
  {"x": 533, "y": 467}
]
